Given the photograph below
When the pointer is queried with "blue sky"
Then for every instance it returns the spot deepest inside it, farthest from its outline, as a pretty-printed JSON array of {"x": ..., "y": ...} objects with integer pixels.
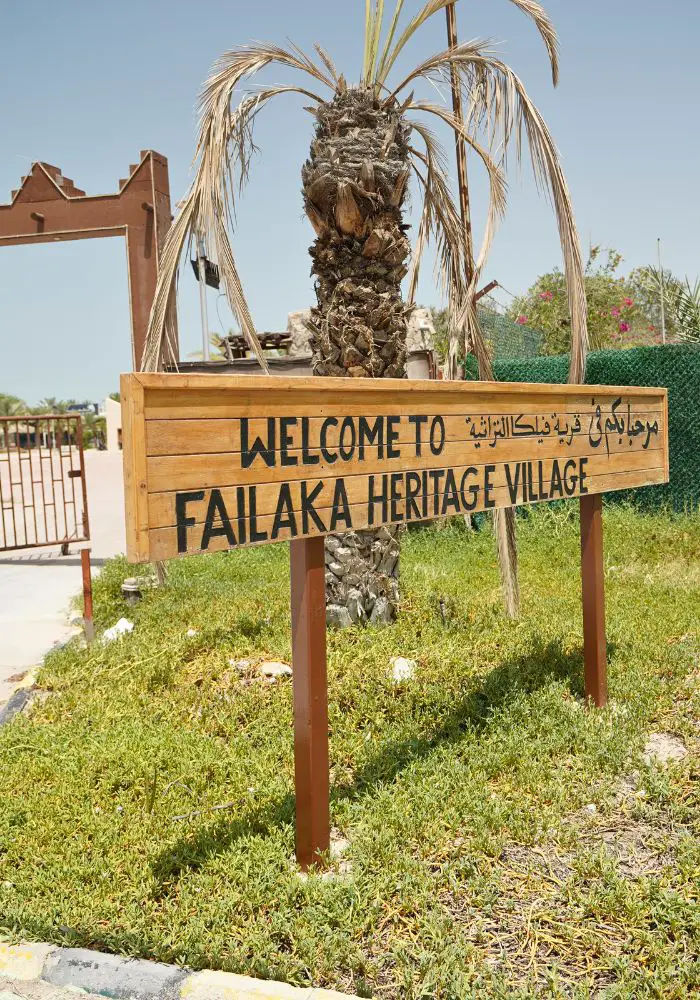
[{"x": 87, "y": 85}]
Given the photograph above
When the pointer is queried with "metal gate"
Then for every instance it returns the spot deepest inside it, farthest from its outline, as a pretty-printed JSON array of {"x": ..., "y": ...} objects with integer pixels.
[{"x": 43, "y": 495}]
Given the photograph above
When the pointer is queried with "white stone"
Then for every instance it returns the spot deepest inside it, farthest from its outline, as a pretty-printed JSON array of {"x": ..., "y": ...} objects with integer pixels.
[
  {"x": 664, "y": 747},
  {"x": 381, "y": 612},
  {"x": 337, "y": 569},
  {"x": 402, "y": 669},
  {"x": 591, "y": 809},
  {"x": 123, "y": 627},
  {"x": 273, "y": 670},
  {"x": 337, "y": 616},
  {"x": 192, "y": 632},
  {"x": 355, "y": 608},
  {"x": 241, "y": 665}
]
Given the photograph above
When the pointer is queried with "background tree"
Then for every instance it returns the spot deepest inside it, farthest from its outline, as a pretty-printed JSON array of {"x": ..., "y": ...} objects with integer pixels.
[
  {"x": 11, "y": 406},
  {"x": 681, "y": 302},
  {"x": 367, "y": 147},
  {"x": 616, "y": 316}
]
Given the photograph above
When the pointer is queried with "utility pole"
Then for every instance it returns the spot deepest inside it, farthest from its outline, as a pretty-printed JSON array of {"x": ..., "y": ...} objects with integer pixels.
[
  {"x": 663, "y": 294},
  {"x": 460, "y": 144}
]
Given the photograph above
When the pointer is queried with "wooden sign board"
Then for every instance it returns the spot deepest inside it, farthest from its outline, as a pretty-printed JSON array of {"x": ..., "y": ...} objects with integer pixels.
[{"x": 222, "y": 462}]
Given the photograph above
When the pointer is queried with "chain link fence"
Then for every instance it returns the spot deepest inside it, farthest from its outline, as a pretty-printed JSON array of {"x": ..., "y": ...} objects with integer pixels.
[
  {"x": 508, "y": 339},
  {"x": 675, "y": 367}
]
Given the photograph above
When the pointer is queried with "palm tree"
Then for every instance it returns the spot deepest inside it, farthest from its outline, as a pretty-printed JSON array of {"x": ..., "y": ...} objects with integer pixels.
[
  {"x": 11, "y": 406},
  {"x": 371, "y": 141}
]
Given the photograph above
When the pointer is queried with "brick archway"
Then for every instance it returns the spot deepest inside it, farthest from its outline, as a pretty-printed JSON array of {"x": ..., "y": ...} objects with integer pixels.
[{"x": 49, "y": 208}]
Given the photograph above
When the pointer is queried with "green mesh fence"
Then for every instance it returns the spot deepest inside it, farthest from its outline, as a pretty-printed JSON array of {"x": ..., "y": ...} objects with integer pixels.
[
  {"x": 675, "y": 367},
  {"x": 508, "y": 339}
]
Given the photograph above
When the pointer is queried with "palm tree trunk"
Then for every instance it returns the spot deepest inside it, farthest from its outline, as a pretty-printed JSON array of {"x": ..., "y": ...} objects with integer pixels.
[{"x": 354, "y": 187}]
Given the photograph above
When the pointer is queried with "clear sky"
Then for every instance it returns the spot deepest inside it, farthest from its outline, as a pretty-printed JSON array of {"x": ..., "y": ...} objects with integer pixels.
[{"x": 86, "y": 85}]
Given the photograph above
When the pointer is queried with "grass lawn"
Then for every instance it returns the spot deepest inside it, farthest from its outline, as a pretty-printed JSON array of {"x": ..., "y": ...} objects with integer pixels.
[{"x": 504, "y": 841}]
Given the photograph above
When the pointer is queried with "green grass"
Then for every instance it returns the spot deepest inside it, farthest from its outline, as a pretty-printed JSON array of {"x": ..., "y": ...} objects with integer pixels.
[{"x": 474, "y": 868}]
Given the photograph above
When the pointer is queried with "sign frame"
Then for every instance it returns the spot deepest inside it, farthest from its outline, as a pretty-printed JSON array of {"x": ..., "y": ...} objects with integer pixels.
[{"x": 550, "y": 417}]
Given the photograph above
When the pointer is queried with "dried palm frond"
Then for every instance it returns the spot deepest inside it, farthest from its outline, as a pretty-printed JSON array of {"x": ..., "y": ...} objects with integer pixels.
[
  {"x": 533, "y": 10},
  {"x": 499, "y": 103}
]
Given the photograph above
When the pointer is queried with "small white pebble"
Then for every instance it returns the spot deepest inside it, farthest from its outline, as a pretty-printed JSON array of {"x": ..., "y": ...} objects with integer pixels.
[
  {"x": 402, "y": 669},
  {"x": 272, "y": 670},
  {"x": 120, "y": 809},
  {"x": 591, "y": 809},
  {"x": 192, "y": 632}
]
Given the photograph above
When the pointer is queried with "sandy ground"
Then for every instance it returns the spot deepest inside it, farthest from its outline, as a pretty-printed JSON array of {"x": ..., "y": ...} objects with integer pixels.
[{"x": 36, "y": 585}]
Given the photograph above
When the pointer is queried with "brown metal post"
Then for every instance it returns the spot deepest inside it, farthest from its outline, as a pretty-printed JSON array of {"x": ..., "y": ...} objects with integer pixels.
[
  {"x": 87, "y": 595},
  {"x": 308, "y": 598},
  {"x": 593, "y": 587}
]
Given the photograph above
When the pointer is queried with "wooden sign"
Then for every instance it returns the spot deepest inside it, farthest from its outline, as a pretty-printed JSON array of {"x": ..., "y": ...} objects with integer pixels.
[{"x": 223, "y": 462}]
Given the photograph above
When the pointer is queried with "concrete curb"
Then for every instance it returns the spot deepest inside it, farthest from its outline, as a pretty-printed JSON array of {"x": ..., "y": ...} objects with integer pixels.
[
  {"x": 135, "y": 979},
  {"x": 16, "y": 703}
]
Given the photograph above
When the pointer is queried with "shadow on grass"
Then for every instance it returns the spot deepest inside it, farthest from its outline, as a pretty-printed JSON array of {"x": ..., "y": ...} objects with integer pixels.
[{"x": 542, "y": 665}]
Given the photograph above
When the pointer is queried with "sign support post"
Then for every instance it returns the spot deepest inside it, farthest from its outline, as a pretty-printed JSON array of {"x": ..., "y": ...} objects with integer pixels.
[
  {"x": 593, "y": 589},
  {"x": 308, "y": 599}
]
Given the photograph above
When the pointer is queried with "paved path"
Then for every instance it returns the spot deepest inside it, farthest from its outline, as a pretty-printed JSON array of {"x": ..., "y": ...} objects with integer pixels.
[{"x": 37, "y": 585}]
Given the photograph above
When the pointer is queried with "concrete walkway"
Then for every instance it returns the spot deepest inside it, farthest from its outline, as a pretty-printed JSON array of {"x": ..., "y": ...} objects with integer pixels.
[{"x": 37, "y": 585}]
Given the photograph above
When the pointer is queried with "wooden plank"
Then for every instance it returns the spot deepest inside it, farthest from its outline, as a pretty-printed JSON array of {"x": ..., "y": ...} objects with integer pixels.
[
  {"x": 162, "y": 506},
  {"x": 188, "y": 472},
  {"x": 172, "y": 405},
  {"x": 209, "y": 436},
  {"x": 135, "y": 469},
  {"x": 283, "y": 384},
  {"x": 164, "y": 541}
]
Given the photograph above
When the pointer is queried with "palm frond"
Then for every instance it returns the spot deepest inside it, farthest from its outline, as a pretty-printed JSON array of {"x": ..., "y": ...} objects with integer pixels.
[
  {"x": 499, "y": 104},
  {"x": 544, "y": 25},
  {"x": 374, "y": 19},
  {"x": 685, "y": 303},
  {"x": 497, "y": 181},
  {"x": 530, "y": 8},
  {"x": 389, "y": 40},
  {"x": 223, "y": 156}
]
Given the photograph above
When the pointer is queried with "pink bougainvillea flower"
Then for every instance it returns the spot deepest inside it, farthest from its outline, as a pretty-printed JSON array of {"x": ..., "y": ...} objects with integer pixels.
[
  {"x": 628, "y": 302},
  {"x": 652, "y": 329},
  {"x": 521, "y": 320},
  {"x": 625, "y": 328},
  {"x": 615, "y": 312},
  {"x": 546, "y": 296}
]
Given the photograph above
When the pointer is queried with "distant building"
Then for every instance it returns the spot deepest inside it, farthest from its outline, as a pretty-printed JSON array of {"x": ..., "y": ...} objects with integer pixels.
[{"x": 83, "y": 408}]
